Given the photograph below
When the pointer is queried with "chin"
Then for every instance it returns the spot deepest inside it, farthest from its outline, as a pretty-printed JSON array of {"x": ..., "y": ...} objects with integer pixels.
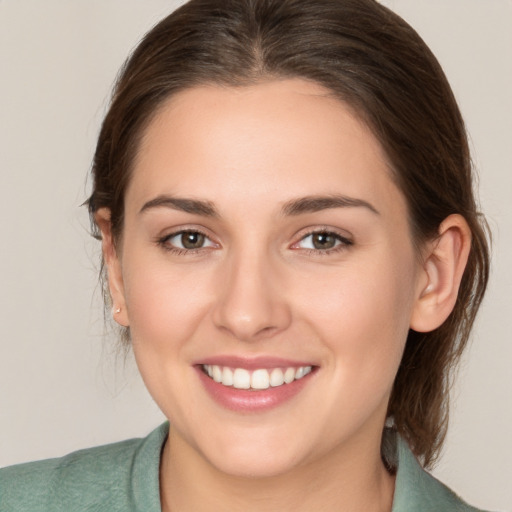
[
  {"x": 255, "y": 455},
  {"x": 259, "y": 466}
]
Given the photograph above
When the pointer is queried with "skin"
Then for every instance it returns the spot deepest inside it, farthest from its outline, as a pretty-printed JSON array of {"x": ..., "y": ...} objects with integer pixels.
[{"x": 259, "y": 287}]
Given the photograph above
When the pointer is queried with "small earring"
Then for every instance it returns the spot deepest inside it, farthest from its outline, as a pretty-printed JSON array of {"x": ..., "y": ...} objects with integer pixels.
[{"x": 116, "y": 311}]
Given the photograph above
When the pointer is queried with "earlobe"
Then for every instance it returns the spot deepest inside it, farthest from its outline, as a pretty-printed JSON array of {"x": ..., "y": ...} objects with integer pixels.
[
  {"x": 443, "y": 268},
  {"x": 113, "y": 267}
]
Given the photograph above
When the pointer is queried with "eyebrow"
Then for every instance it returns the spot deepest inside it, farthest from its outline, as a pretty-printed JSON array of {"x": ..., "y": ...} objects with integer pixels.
[
  {"x": 311, "y": 204},
  {"x": 195, "y": 206}
]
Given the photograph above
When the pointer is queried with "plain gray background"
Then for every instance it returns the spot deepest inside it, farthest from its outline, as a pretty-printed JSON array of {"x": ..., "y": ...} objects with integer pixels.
[{"x": 61, "y": 385}]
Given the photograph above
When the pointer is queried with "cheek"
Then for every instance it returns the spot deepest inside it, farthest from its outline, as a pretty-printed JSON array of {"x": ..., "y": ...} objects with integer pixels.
[
  {"x": 362, "y": 314},
  {"x": 165, "y": 303},
  {"x": 360, "y": 299}
]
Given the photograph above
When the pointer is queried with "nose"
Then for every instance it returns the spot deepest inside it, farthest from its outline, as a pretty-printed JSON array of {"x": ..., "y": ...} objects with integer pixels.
[{"x": 251, "y": 303}]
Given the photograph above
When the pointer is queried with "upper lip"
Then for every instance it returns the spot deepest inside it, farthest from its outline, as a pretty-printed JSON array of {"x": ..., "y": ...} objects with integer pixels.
[{"x": 252, "y": 363}]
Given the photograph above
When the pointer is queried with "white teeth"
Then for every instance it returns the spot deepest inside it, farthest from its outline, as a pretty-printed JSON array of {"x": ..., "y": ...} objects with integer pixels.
[
  {"x": 276, "y": 377},
  {"x": 217, "y": 374},
  {"x": 240, "y": 378},
  {"x": 260, "y": 379},
  {"x": 227, "y": 376},
  {"x": 289, "y": 375}
]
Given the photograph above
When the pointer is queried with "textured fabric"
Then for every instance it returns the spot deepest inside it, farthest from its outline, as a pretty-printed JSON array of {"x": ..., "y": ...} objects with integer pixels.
[
  {"x": 418, "y": 491},
  {"x": 120, "y": 477},
  {"x": 124, "y": 477}
]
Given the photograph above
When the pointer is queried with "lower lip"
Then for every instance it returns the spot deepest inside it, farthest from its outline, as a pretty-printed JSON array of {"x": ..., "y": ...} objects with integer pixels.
[{"x": 243, "y": 400}]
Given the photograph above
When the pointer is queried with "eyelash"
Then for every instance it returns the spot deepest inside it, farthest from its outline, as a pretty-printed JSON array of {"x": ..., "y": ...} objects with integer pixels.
[
  {"x": 342, "y": 242},
  {"x": 164, "y": 242}
]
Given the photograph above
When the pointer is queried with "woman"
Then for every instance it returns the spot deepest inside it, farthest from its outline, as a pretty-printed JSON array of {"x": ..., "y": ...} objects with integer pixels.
[{"x": 283, "y": 193}]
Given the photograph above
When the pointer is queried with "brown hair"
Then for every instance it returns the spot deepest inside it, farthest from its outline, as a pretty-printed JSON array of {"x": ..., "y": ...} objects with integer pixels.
[{"x": 374, "y": 61}]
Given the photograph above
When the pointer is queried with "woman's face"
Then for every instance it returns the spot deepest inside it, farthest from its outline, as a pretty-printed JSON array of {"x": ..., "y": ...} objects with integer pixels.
[{"x": 265, "y": 238}]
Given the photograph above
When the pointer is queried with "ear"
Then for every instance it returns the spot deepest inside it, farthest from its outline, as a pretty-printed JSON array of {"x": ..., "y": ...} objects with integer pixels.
[
  {"x": 113, "y": 267},
  {"x": 443, "y": 266}
]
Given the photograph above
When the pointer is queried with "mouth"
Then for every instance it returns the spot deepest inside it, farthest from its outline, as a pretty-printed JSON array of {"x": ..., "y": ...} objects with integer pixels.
[
  {"x": 253, "y": 385},
  {"x": 258, "y": 379}
]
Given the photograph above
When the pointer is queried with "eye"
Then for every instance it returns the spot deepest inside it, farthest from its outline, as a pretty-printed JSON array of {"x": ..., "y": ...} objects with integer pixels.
[
  {"x": 187, "y": 241},
  {"x": 322, "y": 241}
]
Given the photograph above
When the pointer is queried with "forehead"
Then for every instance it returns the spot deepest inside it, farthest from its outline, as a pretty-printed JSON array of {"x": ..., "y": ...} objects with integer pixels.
[{"x": 287, "y": 135}]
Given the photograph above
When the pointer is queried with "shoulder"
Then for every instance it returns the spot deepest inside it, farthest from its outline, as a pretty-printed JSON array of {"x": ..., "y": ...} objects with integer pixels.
[
  {"x": 418, "y": 490},
  {"x": 111, "y": 476},
  {"x": 49, "y": 484}
]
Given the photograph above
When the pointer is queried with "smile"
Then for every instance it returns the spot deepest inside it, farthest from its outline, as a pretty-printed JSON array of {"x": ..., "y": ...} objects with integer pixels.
[{"x": 259, "y": 379}]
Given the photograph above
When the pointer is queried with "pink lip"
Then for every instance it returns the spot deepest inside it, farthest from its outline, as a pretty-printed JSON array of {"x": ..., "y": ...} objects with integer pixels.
[{"x": 247, "y": 401}]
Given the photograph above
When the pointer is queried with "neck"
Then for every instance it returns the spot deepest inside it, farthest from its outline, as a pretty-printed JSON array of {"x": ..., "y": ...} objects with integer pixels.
[{"x": 351, "y": 479}]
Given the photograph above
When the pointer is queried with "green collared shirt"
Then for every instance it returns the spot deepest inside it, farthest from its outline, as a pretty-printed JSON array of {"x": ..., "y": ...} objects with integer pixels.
[{"x": 123, "y": 477}]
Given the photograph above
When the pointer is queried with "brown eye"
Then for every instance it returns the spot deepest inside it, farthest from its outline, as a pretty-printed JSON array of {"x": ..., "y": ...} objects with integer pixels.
[
  {"x": 192, "y": 240},
  {"x": 186, "y": 241},
  {"x": 324, "y": 240}
]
